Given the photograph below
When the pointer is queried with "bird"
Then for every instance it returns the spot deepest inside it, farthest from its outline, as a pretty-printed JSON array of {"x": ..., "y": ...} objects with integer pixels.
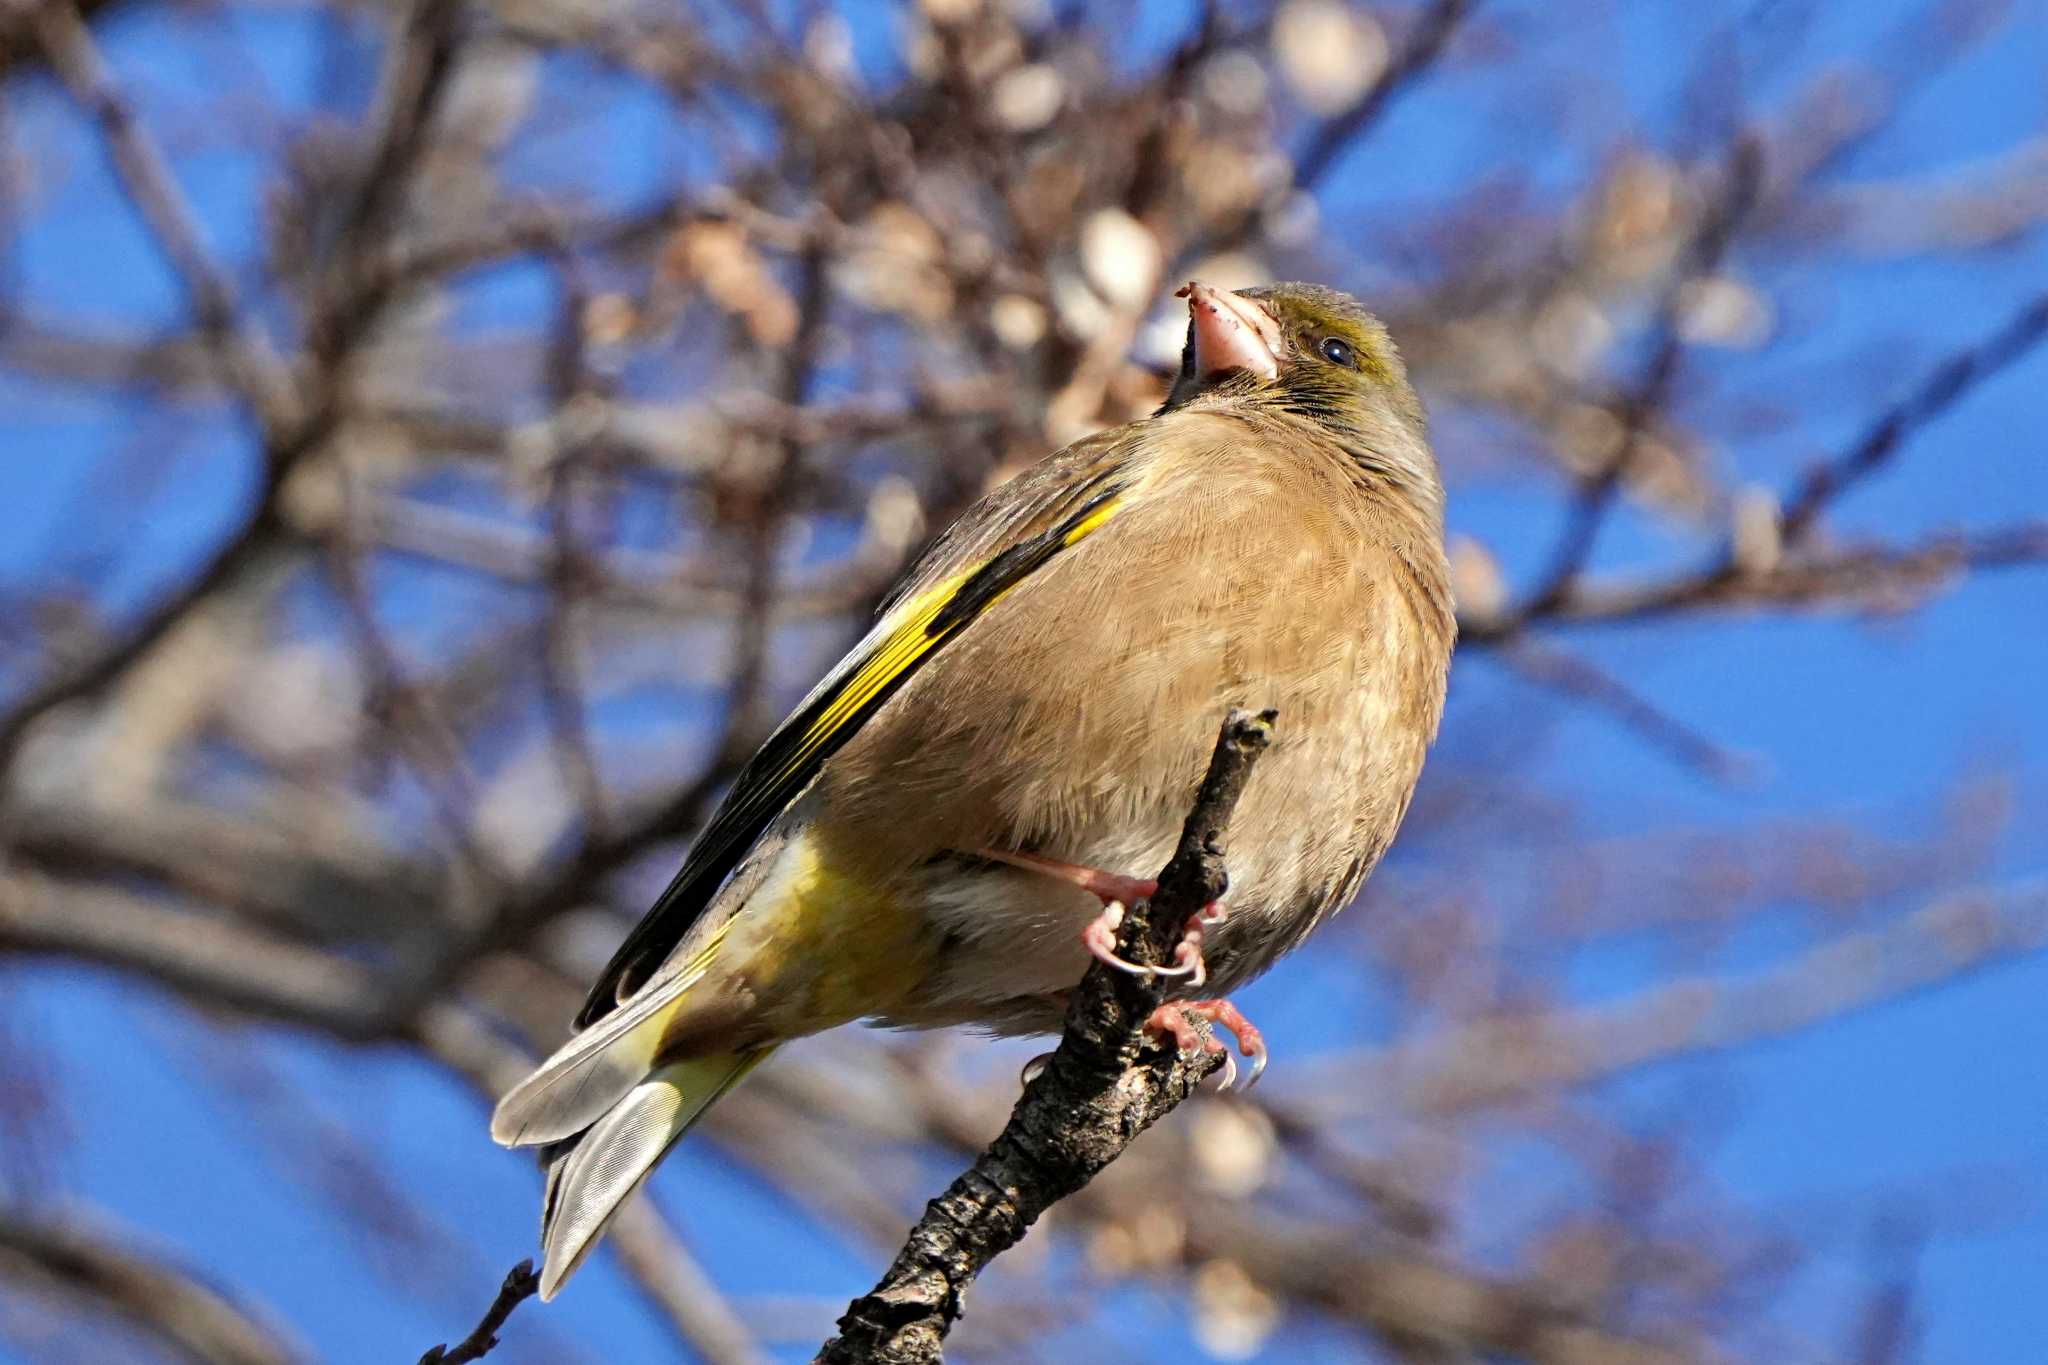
[{"x": 950, "y": 824}]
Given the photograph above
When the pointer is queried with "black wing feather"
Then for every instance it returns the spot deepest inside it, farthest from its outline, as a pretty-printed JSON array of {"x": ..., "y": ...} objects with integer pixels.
[{"x": 785, "y": 765}]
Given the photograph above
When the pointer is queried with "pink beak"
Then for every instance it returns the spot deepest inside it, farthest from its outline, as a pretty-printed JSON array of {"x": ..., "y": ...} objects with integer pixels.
[{"x": 1232, "y": 332}]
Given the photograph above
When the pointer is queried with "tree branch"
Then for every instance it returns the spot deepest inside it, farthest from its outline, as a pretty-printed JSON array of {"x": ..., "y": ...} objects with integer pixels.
[
  {"x": 243, "y": 353},
  {"x": 1106, "y": 1084},
  {"x": 1951, "y": 381},
  {"x": 521, "y": 1284},
  {"x": 189, "y": 1319}
]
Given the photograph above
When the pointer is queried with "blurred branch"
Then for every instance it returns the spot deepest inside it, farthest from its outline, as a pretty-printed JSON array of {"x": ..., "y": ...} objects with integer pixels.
[
  {"x": 230, "y": 561},
  {"x": 1105, "y": 1084},
  {"x": 419, "y": 61},
  {"x": 435, "y": 750},
  {"x": 584, "y": 403},
  {"x": 1444, "y": 1312},
  {"x": 1735, "y": 579},
  {"x": 1585, "y": 681},
  {"x": 1595, "y": 498},
  {"x": 1524, "y": 1053},
  {"x": 1336, "y": 134},
  {"x": 290, "y": 432},
  {"x": 208, "y": 959},
  {"x": 245, "y": 355},
  {"x": 1879, "y": 576},
  {"x": 183, "y": 1315},
  {"x": 1950, "y": 382}
]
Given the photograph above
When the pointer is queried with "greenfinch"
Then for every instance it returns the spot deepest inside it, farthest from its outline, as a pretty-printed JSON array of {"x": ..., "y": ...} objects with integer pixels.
[{"x": 949, "y": 824}]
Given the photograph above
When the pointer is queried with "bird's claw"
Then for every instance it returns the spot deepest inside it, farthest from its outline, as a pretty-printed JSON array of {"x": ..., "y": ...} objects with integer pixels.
[
  {"x": 1172, "y": 1021},
  {"x": 1033, "y": 1069},
  {"x": 1100, "y": 936}
]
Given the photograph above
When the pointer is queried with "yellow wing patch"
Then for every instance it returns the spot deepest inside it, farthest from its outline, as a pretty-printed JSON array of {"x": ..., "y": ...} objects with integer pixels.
[
  {"x": 785, "y": 765},
  {"x": 897, "y": 655},
  {"x": 922, "y": 628}
]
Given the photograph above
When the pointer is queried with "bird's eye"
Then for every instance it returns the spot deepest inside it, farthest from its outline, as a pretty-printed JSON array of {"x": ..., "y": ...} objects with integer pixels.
[{"x": 1336, "y": 350}]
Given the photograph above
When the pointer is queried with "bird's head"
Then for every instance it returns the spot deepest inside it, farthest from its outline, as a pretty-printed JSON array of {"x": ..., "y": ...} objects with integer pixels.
[{"x": 1312, "y": 352}]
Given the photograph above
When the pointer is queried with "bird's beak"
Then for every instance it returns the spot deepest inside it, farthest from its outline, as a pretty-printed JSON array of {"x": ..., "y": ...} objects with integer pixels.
[{"x": 1231, "y": 332}]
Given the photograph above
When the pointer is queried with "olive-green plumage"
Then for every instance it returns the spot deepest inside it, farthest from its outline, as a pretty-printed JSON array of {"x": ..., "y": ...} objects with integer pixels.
[{"x": 1048, "y": 679}]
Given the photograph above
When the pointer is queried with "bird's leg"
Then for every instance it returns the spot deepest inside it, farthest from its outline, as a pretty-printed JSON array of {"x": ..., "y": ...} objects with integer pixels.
[
  {"x": 1171, "y": 1021},
  {"x": 1106, "y": 886},
  {"x": 1116, "y": 891}
]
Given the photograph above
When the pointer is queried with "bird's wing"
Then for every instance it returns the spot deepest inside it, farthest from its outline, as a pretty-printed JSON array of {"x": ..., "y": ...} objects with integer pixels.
[{"x": 999, "y": 542}]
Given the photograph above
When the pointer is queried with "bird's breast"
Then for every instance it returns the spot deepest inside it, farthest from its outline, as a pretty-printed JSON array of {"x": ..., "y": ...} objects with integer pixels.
[{"x": 1077, "y": 716}]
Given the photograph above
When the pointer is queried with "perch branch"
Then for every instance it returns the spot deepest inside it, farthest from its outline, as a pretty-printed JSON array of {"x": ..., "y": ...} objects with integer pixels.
[
  {"x": 521, "y": 1284},
  {"x": 1106, "y": 1084}
]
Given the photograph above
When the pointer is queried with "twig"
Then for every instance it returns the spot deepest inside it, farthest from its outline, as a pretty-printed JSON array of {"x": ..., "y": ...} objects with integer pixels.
[
  {"x": 1640, "y": 407},
  {"x": 1875, "y": 574},
  {"x": 520, "y": 1285},
  {"x": 291, "y": 432},
  {"x": 1106, "y": 1084},
  {"x": 1342, "y": 129},
  {"x": 245, "y": 356},
  {"x": 1951, "y": 381},
  {"x": 1346, "y": 128},
  {"x": 1573, "y": 676}
]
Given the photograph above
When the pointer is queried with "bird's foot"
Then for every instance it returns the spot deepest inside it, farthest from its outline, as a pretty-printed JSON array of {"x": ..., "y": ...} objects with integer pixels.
[
  {"x": 1172, "y": 1021},
  {"x": 1116, "y": 891},
  {"x": 1100, "y": 936}
]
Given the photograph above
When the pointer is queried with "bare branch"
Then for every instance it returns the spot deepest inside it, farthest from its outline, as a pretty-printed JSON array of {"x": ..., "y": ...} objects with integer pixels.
[
  {"x": 211, "y": 960},
  {"x": 1104, "y": 1085},
  {"x": 1523, "y": 1053},
  {"x": 1710, "y": 242},
  {"x": 246, "y": 357},
  {"x": 1950, "y": 382},
  {"x": 521, "y": 1284},
  {"x": 189, "y": 1318},
  {"x": 1334, "y": 135}
]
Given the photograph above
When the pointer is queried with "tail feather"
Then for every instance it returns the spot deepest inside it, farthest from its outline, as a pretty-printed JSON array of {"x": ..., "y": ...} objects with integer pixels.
[
  {"x": 592, "y": 1175},
  {"x": 591, "y": 1072}
]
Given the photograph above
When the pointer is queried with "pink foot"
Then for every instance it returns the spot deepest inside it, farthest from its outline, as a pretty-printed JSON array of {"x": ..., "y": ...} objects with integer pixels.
[
  {"x": 1100, "y": 937},
  {"x": 1116, "y": 891},
  {"x": 1106, "y": 886},
  {"x": 1171, "y": 1021}
]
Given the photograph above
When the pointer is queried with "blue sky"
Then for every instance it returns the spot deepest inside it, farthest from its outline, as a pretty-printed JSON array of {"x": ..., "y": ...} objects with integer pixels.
[{"x": 1937, "y": 1098}]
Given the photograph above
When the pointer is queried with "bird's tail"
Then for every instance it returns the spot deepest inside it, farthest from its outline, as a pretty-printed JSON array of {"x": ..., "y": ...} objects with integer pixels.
[
  {"x": 608, "y": 1111},
  {"x": 591, "y": 1174}
]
